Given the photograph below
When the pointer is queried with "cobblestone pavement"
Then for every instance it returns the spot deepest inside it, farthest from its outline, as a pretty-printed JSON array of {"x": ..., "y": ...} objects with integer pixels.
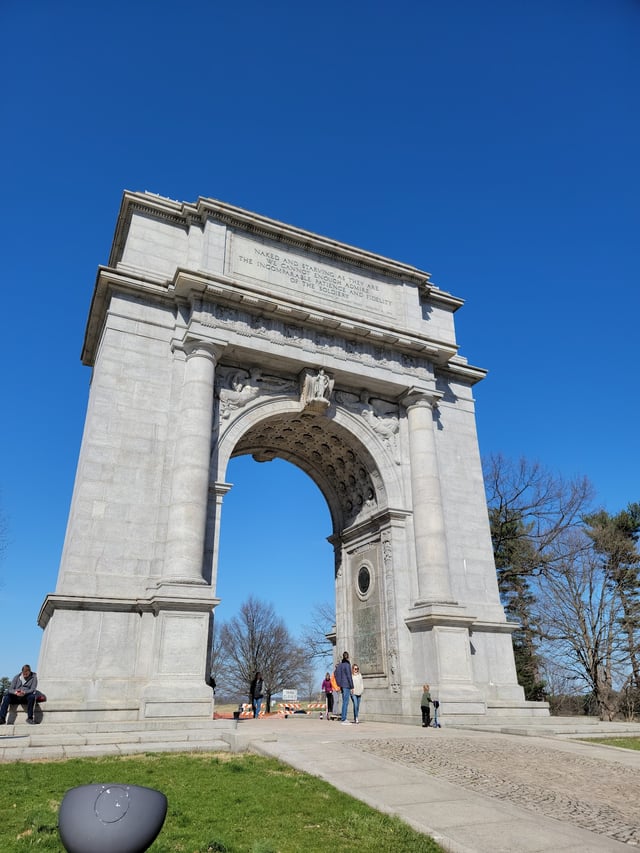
[{"x": 597, "y": 795}]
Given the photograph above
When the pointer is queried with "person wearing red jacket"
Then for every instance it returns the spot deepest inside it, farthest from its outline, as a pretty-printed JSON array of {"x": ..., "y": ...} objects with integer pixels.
[{"x": 327, "y": 689}]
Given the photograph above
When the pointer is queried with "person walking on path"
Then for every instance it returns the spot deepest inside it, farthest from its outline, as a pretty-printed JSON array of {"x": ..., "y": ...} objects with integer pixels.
[
  {"x": 327, "y": 689},
  {"x": 256, "y": 693},
  {"x": 425, "y": 706},
  {"x": 358, "y": 688},
  {"x": 345, "y": 683},
  {"x": 22, "y": 689}
]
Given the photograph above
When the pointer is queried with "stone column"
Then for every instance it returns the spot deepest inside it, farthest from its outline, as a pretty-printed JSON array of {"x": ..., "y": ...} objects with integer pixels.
[
  {"x": 428, "y": 516},
  {"x": 192, "y": 458},
  {"x": 217, "y": 491}
]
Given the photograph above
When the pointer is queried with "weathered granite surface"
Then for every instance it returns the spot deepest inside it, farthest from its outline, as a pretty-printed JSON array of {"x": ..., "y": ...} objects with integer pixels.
[{"x": 214, "y": 331}]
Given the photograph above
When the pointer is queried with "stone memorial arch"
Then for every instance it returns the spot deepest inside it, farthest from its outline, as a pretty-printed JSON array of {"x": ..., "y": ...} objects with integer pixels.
[{"x": 215, "y": 332}]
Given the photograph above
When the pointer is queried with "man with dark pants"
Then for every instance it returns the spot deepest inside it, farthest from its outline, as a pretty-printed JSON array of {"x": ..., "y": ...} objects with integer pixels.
[
  {"x": 345, "y": 683},
  {"x": 22, "y": 689},
  {"x": 256, "y": 694}
]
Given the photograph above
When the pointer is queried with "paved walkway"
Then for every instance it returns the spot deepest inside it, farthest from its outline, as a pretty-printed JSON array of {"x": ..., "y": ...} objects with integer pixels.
[
  {"x": 475, "y": 791},
  {"x": 472, "y": 791}
]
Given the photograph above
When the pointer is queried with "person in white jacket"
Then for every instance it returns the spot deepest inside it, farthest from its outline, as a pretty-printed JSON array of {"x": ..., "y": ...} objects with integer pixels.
[{"x": 356, "y": 694}]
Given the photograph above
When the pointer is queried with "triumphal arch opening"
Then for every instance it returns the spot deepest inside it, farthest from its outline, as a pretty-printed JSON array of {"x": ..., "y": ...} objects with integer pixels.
[{"x": 215, "y": 332}]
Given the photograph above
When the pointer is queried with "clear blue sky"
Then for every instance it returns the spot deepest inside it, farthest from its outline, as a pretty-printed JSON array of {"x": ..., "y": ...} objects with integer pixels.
[{"x": 495, "y": 145}]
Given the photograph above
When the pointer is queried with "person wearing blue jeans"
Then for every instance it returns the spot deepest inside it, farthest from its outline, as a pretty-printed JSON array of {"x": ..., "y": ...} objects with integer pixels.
[
  {"x": 358, "y": 688},
  {"x": 256, "y": 694},
  {"x": 345, "y": 683}
]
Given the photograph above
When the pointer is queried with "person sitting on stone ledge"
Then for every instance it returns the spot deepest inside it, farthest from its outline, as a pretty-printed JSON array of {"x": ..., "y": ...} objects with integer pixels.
[{"x": 22, "y": 689}]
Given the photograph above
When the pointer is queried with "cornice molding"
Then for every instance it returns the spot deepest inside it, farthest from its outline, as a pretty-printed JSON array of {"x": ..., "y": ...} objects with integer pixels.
[
  {"x": 219, "y": 290},
  {"x": 112, "y": 604},
  {"x": 204, "y": 291},
  {"x": 186, "y": 214},
  {"x": 424, "y": 616}
]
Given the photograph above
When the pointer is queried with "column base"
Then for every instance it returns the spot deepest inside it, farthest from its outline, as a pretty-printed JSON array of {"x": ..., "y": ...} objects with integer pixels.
[{"x": 122, "y": 659}]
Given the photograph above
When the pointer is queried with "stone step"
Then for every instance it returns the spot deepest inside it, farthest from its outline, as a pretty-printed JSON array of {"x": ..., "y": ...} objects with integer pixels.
[
  {"x": 64, "y": 740},
  {"x": 561, "y": 726},
  {"x": 155, "y": 724},
  {"x": 22, "y": 742}
]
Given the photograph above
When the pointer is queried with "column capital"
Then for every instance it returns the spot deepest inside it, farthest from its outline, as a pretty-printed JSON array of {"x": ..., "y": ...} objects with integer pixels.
[
  {"x": 219, "y": 490},
  {"x": 200, "y": 348},
  {"x": 422, "y": 398},
  {"x": 192, "y": 346}
]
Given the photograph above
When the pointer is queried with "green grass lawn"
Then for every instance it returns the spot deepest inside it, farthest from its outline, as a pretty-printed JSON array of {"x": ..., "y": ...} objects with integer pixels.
[
  {"x": 622, "y": 742},
  {"x": 217, "y": 802}
]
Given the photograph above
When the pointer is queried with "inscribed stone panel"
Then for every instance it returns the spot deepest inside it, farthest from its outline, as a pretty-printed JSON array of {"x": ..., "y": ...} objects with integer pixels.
[
  {"x": 306, "y": 278},
  {"x": 368, "y": 649}
]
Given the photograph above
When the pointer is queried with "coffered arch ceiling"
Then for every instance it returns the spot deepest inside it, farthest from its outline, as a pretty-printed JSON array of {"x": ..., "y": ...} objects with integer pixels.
[{"x": 340, "y": 466}]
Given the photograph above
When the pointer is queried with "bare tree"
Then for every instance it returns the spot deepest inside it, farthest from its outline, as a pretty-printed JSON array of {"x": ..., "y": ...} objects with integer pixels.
[
  {"x": 615, "y": 539},
  {"x": 545, "y": 504},
  {"x": 314, "y": 635},
  {"x": 578, "y": 617},
  {"x": 561, "y": 689},
  {"x": 218, "y": 676},
  {"x": 530, "y": 511},
  {"x": 256, "y": 640},
  {"x": 311, "y": 687}
]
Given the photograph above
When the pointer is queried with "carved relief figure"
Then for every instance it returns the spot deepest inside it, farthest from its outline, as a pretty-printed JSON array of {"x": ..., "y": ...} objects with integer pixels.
[
  {"x": 242, "y": 386},
  {"x": 321, "y": 387},
  {"x": 381, "y": 416},
  {"x": 316, "y": 390},
  {"x": 392, "y": 653},
  {"x": 386, "y": 426}
]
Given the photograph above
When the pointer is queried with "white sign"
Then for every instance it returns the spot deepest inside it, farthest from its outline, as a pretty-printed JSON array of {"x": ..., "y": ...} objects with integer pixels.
[{"x": 289, "y": 695}]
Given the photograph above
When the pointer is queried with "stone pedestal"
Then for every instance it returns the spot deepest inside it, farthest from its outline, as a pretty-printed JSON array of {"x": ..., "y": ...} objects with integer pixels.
[{"x": 132, "y": 658}]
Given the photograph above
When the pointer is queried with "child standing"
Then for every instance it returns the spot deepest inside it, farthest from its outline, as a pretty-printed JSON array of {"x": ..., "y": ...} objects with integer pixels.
[
  {"x": 327, "y": 689},
  {"x": 425, "y": 706}
]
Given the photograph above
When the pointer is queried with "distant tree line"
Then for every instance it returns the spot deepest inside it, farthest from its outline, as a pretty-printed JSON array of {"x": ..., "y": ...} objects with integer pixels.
[{"x": 568, "y": 574}]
